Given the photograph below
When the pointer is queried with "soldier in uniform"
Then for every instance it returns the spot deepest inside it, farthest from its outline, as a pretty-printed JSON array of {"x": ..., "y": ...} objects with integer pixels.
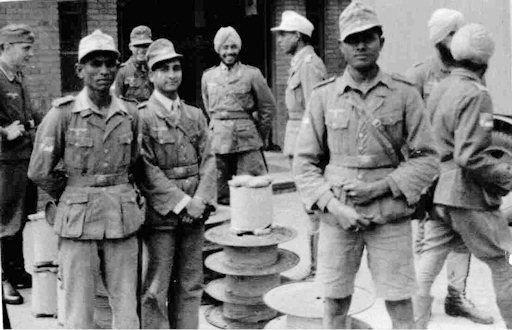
[
  {"x": 442, "y": 25},
  {"x": 241, "y": 107},
  {"x": 132, "y": 80},
  {"x": 471, "y": 183},
  {"x": 363, "y": 157},
  {"x": 18, "y": 195},
  {"x": 179, "y": 186},
  {"x": 94, "y": 135},
  {"x": 306, "y": 70}
]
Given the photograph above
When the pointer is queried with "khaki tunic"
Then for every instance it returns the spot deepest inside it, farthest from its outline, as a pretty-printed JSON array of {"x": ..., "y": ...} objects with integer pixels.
[
  {"x": 132, "y": 81},
  {"x": 335, "y": 145},
  {"x": 240, "y": 105},
  {"x": 426, "y": 75},
  {"x": 462, "y": 115},
  {"x": 98, "y": 152},
  {"x": 178, "y": 160},
  {"x": 307, "y": 69}
]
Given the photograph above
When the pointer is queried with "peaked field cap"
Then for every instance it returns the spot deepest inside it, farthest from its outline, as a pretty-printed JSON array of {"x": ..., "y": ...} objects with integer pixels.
[
  {"x": 442, "y": 22},
  {"x": 161, "y": 50},
  {"x": 357, "y": 17},
  {"x": 16, "y": 33},
  {"x": 474, "y": 43},
  {"x": 96, "y": 41},
  {"x": 292, "y": 21},
  {"x": 140, "y": 35}
]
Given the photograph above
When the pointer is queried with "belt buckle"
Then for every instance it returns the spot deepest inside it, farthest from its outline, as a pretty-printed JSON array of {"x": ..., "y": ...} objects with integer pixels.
[
  {"x": 101, "y": 179},
  {"x": 180, "y": 171}
]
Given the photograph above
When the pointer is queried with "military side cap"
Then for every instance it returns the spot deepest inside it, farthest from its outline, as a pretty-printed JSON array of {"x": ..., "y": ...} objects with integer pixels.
[
  {"x": 357, "y": 17},
  {"x": 141, "y": 35},
  {"x": 292, "y": 21},
  {"x": 161, "y": 50},
  {"x": 16, "y": 33},
  {"x": 96, "y": 41}
]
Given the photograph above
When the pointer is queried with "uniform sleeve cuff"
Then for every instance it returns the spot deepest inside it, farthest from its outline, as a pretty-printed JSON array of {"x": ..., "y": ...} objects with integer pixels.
[
  {"x": 395, "y": 190},
  {"x": 324, "y": 200},
  {"x": 181, "y": 205}
]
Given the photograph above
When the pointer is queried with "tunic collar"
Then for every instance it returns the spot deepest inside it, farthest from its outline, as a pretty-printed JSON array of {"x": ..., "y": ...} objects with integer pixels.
[
  {"x": 347, "y": 82},
  {"x": 7, "y": 71},
  {"x": 85, "y": 105}
]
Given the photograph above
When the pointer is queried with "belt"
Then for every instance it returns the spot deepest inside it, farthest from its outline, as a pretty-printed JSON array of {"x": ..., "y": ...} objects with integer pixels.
[
  {"x": 182, "y": 172},
  {"x": 228, "y": 115},
  {"x": 99, "y": 180},
  {"x": 362, "y": 161}
]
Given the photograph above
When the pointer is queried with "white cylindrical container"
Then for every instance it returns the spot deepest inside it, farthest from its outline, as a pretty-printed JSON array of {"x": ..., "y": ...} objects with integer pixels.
[
  {"x": 251, "y": 203},
  {"x": 44, "y": 291},
  {"x": 45, "y": 241}
]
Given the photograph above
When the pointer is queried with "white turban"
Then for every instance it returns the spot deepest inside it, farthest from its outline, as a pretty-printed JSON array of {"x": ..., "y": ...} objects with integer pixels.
[
  {"x": 442, "y": 22},
  {"x": 224, "y": 34},
  {"x": 474, "y": 43}
]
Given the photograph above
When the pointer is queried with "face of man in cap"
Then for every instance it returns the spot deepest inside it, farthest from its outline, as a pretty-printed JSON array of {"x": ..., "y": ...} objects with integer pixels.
[
  {"x": 166, "y": 76},
  {"x": 288, "y": 41},
  {"x": 361, "y": 50},
  {"x": 139, "y": 52},
  {"x": 229, "y": 52},
  {"x": 17, "y": 54},
  {"x": 98, "y": 70}
]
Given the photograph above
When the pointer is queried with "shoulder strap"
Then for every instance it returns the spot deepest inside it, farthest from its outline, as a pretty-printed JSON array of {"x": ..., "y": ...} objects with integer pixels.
[{"x": 382, "y": 137}]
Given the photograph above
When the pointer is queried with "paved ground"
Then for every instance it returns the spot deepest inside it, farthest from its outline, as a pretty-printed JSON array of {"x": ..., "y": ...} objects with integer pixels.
[{"x": 288, "y": 212}]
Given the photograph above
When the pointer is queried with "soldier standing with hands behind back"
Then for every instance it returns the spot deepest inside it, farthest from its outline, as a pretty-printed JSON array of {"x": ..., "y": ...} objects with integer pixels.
[
  {"x": 241, "y": 107},
  {"x": 306, "y": 70},
  {"x": 95, "y": 135},
  {"x": 348, "y": 164},
  {"x": 18, "y": 195}
]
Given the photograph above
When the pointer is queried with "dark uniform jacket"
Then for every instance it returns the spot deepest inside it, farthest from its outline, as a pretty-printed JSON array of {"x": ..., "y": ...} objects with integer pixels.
[
  {"x": 98, "y": 151},
  {"x": 335, "y": 131},
  {"x": 240, "y": 105},
  {"x": 178, "y": 160},
  {"x": 462, "y": 119},
  {"x": 132, "y": 81},
  {"x": 15, "y": 105}
]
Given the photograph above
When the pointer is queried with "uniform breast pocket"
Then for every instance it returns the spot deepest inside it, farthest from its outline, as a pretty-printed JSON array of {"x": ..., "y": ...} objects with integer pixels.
[
  {"x": 294, "y": 95},
  {"x": 125, "y": 141},
  {"x": 337, "y": 123},
  {"x": 79, "y": 145},
  {"x": 165, "y": 147},
  {"x": 242, "y": 95}
]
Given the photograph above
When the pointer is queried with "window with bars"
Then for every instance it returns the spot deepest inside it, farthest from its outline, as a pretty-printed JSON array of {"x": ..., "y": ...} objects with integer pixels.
[{"x": 72, "y": 27}]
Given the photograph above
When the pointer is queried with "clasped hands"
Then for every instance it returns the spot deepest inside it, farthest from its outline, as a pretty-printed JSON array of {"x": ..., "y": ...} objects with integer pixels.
[
  {"x": 197, "y": 210},
  {"x": 360, "y": 193},
  {"x": 14, "y": 130}
]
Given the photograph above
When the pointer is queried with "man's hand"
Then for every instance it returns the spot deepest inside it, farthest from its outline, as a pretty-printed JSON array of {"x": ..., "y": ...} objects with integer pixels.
[
  {"x": 195, "y": 208},
  {"x": 347, "y": 216},
  {"x": 14, "y": 130},
  {"x": 364, "y": 192}
]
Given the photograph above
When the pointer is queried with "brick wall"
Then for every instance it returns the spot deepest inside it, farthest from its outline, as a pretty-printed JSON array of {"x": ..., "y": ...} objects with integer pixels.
[{"x": 102, "y": 14}]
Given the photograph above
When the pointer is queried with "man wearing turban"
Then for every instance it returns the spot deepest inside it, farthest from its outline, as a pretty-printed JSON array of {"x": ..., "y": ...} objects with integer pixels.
[
  {"x": 442, "y": 26},
  {"x": 241, "y": 107},
  {"x": 472, "y": 182}
]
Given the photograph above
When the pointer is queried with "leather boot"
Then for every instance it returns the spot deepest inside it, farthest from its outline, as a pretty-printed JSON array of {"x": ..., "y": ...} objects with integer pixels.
[
  {"x": 422, "y": 306},
  {"x": 457, "y": 304},
  {"x": 10, "y": 295},
  {"x": 22, "y": 279}
]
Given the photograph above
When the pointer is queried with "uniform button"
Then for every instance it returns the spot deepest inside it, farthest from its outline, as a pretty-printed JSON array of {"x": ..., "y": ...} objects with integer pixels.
[
  {"x": 105, "y": 151},
  {"x": 361, "y": 135},
  {"x": 105, "y": 164},
  {"x": 359, "y": 176}
]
